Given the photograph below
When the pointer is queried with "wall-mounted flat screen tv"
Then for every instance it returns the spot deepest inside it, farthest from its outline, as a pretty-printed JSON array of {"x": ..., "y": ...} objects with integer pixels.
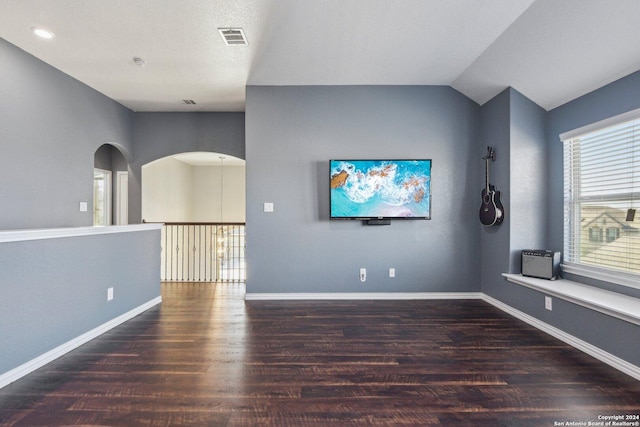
[{"x": 380, "y": 189}]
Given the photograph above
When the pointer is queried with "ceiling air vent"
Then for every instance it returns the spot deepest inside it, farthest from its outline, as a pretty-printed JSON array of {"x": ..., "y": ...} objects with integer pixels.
[
  {"x": 233, "y": 36},
  {"x": 189, "y": 102}
]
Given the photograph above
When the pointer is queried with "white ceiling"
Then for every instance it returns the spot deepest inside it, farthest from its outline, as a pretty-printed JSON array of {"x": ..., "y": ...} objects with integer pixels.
[{"x": 552, "y": 51}]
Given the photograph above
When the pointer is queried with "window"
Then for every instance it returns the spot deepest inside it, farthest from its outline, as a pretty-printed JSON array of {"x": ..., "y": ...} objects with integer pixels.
[
  {"x": 101, "y": 197},
  {"x": 601, "y": 188},
  {"x": 595, "y": 234},
  {"x": 612, "y": 233}
]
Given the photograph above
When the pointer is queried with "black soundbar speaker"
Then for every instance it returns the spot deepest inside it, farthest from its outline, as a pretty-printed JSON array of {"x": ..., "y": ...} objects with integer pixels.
[{"x": 542, "y": 264}]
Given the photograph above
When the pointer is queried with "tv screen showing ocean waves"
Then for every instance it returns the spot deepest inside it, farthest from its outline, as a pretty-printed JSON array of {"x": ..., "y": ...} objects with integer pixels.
[{"x": 380, "y": 189}]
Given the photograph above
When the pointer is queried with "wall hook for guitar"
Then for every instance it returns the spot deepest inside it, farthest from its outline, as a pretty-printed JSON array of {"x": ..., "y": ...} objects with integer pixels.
[{"x": 491, "y": 210}]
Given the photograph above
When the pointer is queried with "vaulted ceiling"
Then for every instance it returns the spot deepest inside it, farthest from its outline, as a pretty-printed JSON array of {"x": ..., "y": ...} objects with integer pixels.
[{"x": 552, "y": 51}]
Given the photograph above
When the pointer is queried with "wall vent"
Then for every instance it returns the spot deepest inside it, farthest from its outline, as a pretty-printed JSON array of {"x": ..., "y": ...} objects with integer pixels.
[
  {"x": 233, "y": 36},
  {"x": 189, "y": 102}
]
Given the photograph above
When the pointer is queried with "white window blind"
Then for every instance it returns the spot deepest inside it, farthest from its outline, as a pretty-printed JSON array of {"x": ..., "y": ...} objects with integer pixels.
[{"x": 601, "y": 191}]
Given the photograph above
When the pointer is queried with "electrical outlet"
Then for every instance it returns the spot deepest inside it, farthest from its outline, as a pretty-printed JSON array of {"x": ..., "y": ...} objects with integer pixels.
[
  {"x": 363, "y": 274},
  {"x": 392, "y": 272},
  {"x": 109, "y": 294},
  {"x": 548, "y": 304}
]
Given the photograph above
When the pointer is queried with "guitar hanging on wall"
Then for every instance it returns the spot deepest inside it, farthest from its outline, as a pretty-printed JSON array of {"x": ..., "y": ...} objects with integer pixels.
[{"x": 491, "y": 211}]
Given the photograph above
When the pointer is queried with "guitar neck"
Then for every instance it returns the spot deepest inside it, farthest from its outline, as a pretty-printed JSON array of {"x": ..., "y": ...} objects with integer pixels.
[{"x": 486, "y": 174}]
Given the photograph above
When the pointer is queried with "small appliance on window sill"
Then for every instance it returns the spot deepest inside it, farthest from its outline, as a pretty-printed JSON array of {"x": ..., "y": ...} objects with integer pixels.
[{"x": 540, "y": 263}]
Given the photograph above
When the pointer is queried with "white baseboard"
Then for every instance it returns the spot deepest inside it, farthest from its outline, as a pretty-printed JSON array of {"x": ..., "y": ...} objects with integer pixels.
[
  {"x": 30, "y": 366},
  {"x": 361, "y": 296},
  {"x": 608, "y": 358}
]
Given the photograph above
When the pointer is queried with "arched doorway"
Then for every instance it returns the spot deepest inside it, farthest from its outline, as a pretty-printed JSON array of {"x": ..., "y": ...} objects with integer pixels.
[
  {"x": 110, "y": 186},
  {"x": 200, "y": 197}
]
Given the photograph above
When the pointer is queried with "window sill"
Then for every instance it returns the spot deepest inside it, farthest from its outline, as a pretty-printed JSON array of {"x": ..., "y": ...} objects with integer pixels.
[
  {"x": 623, "y": 279},
  {"x": 610, "y": 303}
]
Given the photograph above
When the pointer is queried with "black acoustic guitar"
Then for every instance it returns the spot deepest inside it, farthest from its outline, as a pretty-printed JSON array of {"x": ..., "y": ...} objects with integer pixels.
[{"x": 491, "y": 211}]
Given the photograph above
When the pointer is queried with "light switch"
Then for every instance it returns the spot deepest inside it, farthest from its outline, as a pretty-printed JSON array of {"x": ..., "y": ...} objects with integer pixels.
[
  {"x": 268, "y": 207},
  {"x": 83, "y": 206}
]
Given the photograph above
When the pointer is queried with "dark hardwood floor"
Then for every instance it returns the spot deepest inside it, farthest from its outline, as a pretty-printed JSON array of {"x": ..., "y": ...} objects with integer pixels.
[{"x": 204, "y": 357}]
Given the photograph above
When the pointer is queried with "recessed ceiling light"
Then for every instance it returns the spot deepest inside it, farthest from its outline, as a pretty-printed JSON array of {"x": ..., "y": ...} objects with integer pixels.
[{"x": 41, "y": 32}]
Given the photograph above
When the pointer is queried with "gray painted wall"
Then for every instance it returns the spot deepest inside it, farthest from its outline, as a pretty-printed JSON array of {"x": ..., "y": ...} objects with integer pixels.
[
  {"x": 527, "y": 178},
  {"x": 52, "y": 291},
  {"x": 515, "y": 126},
  {"x": 534, "y": 213},
  {"x": 159, "y": 135},
  {"x": 55, "y": 290},
  {"x": 611, "y": 100},
  {"x": 293, "y": 132},
  {"x": 610, "y": 334},
  {"x": 50, "y": 127},
  {"x": 495, "y": 240}
]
